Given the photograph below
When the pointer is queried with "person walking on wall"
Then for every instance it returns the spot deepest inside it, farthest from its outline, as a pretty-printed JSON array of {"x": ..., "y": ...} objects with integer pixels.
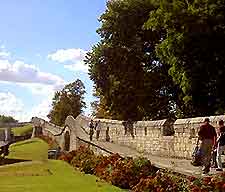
[
  {"x": 221, "y": 145},
  {"x": 91, "y": 127},
  {"x": 207, "y": 134},
  {"x": 130, "y": 127},
  {"x": 98, "y": 129},
  {"x": 107, "y": 137}
]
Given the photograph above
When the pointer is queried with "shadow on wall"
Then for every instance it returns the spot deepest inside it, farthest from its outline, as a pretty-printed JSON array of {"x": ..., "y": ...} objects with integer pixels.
[
  {"x": 67, "y": 141},
  {"x": 129, "y": 127},
  {"x": 167, "y": 128}
]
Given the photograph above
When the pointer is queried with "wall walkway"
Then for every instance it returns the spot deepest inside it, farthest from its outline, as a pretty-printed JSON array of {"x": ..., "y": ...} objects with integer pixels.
[{"x": 166, "y": 143}]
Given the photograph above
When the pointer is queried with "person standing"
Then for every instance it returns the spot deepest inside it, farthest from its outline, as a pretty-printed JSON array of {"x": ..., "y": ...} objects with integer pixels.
[
  {"x": 207, "y": 134},
  {"x": 130, "y": 127},
  {"x": 107, "y": 137},
  {"x": 98, "y": 129},
  {"x": 91, "y": 127},
  {"x": 221, "y": 145}
]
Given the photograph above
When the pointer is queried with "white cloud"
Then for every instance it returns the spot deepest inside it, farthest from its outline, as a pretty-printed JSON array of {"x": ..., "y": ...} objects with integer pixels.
[
  {"x": 4, "y": 54},
  {"x": 43, "y": 109},
  {"x": 2, "y": 46},
  {"x": 74, "y": 56},
  {"x": 21, "y": 72},
  {"x": 13, "y": 106},
  {"x": 10, "y": 105},
  {"x": 63, "y": 55},
  {"x": 43, "y": 90},
  {"x": 40, "y": 83}
]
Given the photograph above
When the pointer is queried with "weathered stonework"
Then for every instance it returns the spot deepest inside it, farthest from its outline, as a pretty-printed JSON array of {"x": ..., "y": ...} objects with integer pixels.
[{"x": 162, "y": 138}]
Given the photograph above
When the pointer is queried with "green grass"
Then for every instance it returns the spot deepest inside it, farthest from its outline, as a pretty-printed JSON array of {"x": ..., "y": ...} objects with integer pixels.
[
  {"x": 45, "y": 175},
  {"x": 19, "y": 131},
  {"x": 54, "y": 176},
  {"x": 31, "y": 149}
]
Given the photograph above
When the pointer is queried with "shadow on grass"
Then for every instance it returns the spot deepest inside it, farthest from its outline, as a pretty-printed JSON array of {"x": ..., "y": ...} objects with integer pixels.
[
  {"x": 24, "y": 143},
  {"x": 6, "y": 161}
]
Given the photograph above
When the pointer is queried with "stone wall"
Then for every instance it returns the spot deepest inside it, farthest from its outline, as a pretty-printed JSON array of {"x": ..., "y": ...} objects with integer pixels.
[
  {"x": 150, "y": 137},
  {"x": 16, "y": 124},
  {"x": 55, "y": 132},
  {"x": 72, "y": 127}
]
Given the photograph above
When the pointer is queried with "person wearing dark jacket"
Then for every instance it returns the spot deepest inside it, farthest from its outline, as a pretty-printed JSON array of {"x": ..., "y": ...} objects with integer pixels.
[
  {"x": 221, "y": 145},
  {"x": 91, "y": 127},
  {"x": 207, "y": 134}
]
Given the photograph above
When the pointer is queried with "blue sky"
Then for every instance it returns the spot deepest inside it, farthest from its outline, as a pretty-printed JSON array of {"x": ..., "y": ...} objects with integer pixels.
[{"x": 42, "y": 46}]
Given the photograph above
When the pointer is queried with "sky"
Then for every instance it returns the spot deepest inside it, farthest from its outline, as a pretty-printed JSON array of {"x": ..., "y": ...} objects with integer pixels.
[{"x": 42, "y": 47}]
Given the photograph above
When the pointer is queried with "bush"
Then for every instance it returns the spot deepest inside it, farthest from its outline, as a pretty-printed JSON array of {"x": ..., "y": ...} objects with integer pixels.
[
  {"x": 161, "y": 182},
  {"x": 124, "y": 172},
  {"x": 138, "y": 174},
  {"x": 85, "y": 160},
  {"x": 215, "y": 183}
]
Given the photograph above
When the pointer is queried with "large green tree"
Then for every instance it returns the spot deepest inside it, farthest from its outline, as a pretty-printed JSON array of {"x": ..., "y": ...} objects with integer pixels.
[
  {"x": 68, "y": 101},
  {"x": 193, "y": 45},
  {"x": 130, "y": 80}
]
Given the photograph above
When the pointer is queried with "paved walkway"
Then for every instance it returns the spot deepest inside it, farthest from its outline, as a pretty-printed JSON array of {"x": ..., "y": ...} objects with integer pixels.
[{"x": 181, "y": 166}]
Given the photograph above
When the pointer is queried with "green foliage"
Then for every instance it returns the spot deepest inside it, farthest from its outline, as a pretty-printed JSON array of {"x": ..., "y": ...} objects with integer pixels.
[
  {"x": 192, "y": 44},
  {"x": 139, "y": 174},
  {"x": 159, "y": 58},
  {"x": 69, "y": 101},
  {"x": 7, "y": 119},
  {"x": 162, "y": 182},
  {"x": 215, "y": 183},
  {"x": 124, "y": 172},
  {"x": 121, "y": 172},
  {"x": 130, "y": 81}
]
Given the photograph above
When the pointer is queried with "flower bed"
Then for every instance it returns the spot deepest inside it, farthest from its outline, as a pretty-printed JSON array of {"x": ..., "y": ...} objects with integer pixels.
[
  {"x": 138, "y": 174},
  {"x": 215, "y": 183}
]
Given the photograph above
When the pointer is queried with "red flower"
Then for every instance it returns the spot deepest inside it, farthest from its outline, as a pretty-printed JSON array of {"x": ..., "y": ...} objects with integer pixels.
[{"x": 191, "y": 178}]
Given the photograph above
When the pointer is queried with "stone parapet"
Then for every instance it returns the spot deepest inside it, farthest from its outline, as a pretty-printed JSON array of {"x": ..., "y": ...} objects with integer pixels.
[{"x": 162, "y": 138}]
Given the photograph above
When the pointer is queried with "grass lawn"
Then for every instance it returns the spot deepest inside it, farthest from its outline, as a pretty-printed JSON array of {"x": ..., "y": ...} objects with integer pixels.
[
  {"x": 51, "y": 176},
  {"x": 32, "y": 149},
  {"x": 45, "y": 175},
  {"x": 19, "y": 131}
]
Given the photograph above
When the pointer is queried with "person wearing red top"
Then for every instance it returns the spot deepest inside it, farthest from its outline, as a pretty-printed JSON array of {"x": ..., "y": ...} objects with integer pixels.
[{"x": 207, "y": 134}]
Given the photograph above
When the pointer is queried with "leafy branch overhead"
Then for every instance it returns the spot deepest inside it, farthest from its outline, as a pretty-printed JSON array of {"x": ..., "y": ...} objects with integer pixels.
[{"x": 159, "y": 60}]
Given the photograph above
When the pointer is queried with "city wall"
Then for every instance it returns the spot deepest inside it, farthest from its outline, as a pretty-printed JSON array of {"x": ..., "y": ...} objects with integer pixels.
[{"x": 162, "y": 138}]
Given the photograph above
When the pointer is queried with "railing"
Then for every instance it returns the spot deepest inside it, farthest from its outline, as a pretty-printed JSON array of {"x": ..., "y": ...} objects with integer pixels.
[
  {"x": 84, "y": 130},
  {"x": 97, "y": 146}
]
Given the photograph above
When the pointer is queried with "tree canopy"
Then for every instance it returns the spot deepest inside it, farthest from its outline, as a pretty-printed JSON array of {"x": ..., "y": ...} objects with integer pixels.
[
  {"x": 130, "y": 80},
  {"x": 193, "y": 46},
  {"x": 7, "y": 119},
  {"x": 159, "y": 59},
  {"x": 68, "y": 101}
]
